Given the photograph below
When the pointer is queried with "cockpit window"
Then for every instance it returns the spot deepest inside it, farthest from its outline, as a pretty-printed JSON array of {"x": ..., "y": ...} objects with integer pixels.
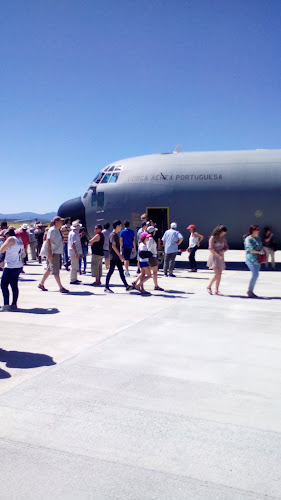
[
  {"x": 114, "y": 177},
  {"x": 103, "y": 177},
  {"x": 98, "y": 177}
]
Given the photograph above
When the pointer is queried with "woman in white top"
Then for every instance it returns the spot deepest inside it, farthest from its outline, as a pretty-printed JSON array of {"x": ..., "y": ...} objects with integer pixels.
[
  {"x": 153, "y": 261},
  {"x": 194, "y": 243},
  {"x": 14, "y": 248}
]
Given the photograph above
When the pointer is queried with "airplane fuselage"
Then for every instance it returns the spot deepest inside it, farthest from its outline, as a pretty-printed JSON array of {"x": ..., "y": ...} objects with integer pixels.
[{"x": 235, "y": 188}]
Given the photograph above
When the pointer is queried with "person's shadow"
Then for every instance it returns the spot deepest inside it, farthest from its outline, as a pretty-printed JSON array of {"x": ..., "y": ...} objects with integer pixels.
[{"x": 18, "y": 359}]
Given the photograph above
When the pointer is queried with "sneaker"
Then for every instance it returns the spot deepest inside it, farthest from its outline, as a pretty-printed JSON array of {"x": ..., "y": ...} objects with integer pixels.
[
  {"x": 172, "y": 275},
  {"x": 42, "y": 287},
  {"x": 76, "y": 282},
  {"x": 127, "y": 274},
  {"x": 129, "y": 288},
  {"x": 5, "y": 308},
  {"x": 95, "y": 284},
  {"x": 14, "y": 307},
  {"x": 64, "y": 290},
  {"x": 107, "y": 290},
  {"x": 166, "y": 275}
]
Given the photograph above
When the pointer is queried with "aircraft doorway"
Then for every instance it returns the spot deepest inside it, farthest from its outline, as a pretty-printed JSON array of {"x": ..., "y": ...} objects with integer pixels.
[{"x": 160, "y": 215}]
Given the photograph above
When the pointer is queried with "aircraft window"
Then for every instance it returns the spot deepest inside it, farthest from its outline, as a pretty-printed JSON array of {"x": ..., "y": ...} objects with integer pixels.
[
  {"x": 111, "y": 169},
  {"x": 98, "y": 177},
  {"x": 105, "y": 169},
  {"x": 105, "y": 178},
  {"x": 85, "y": 195},
  {"x": 118, "y": 168},
  {"x": 94, "y": 199},
  {"x": 114, "y": 177},
  {"x": 100, "y": 199}
]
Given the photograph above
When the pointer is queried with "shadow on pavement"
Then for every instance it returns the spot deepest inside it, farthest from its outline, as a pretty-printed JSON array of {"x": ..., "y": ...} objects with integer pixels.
[
  {"x": 18, "y": 359},
  {"x": 83, "y": 293},
  {"x": 22, "y": 280},
  {"x": 38, "y": 310},
  {"x": 4, "y": 374},
  {"x": 256, "y": 298}
]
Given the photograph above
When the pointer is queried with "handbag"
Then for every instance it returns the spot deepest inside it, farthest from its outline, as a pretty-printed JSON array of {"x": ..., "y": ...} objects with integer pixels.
[{"x": 262, "y": 258}]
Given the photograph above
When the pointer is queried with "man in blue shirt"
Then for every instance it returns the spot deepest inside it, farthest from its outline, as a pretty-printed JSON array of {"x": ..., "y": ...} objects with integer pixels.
[
  {"x": 171, "y": 239},
  {"x": 127, "y": 243}
]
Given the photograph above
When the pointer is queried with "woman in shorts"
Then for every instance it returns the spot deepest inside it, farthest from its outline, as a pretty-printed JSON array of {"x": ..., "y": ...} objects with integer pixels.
[
  {"x": 217, "y": 246},
  {"x": 153, "y": 260},
  {"x": 144, "y": 255}
]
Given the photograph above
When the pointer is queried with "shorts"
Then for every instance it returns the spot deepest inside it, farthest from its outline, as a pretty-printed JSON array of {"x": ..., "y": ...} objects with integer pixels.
[
  {"x": 144, "y": 264},
  {"x": 106, "y": 254},
  {"x": 153, "y": 261},
  {"x": 127, "y": 253},
  {"x": 54, "y": 266}
]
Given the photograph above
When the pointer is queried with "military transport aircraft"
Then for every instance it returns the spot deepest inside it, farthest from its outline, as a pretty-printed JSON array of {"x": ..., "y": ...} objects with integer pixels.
[{"x": 234, "y": 188}]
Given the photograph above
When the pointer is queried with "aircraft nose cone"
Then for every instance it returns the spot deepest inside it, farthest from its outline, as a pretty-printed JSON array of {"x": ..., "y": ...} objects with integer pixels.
[{"x": 73, "y": 208}]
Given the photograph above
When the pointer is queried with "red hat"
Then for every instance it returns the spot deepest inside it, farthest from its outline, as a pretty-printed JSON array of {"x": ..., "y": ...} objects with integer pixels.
[{"x": 191, "y": 226}]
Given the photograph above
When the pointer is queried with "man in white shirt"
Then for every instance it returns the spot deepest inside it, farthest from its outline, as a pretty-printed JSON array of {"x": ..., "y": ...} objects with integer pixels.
[
  {"x": 75, "y": 251},
  {"x": 171, "y": 239},
  {"x": 55, "y": 249}
]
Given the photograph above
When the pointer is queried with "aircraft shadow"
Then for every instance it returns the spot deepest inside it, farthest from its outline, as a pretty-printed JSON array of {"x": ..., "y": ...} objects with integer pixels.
[
  {"x": 19, "y": 359},
  {"x": 37, "y": 310},
  {"x": 4, "y": 374}
]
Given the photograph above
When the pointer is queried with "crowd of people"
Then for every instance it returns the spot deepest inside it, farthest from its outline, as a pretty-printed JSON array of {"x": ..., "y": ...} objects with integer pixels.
[{"x": 66, "y": 243}]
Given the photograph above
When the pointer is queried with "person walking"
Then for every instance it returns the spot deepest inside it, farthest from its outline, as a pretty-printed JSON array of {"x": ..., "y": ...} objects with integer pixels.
[
  {"x": 193, "y": 245},
  {"x": 39, "y": 235},
  {"x": 32, "y": 243},
  {"x": 269, "y": 246},
  {"x": 172, "y": 238},
  {"x": 127, "y": 244},
  {"x": 54, "y": 246},
  {"x": 97, "y": 243},
  {"x": 74, "y": 251},
  {"x": 23, "y": 234},
  {"x": 253, "y": 247},
  {"x": 14, "y": 248},
  {"x": 84, "y": 243},
  {"x": 115, "y": 257},
  {"x": 217, "y": 246},
  {"x": 144, "y": 255},
  {"x": 153, "y": 259},
  {"x": 65, "y": 230},
  {"x": 106, "y": 233}
]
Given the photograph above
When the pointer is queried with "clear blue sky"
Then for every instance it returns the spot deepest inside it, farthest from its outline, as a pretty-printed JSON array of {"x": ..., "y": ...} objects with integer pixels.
[{"x": 84, "y": 83}]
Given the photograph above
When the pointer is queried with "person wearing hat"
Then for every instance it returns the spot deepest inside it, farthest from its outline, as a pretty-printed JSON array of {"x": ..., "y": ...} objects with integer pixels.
[
  {"x": 172, "y": 238},
  {"x": 54, "y": 246},
  {"x": 24, "y": 236},
  {"x": 143, "y": 227},
  {"x": 193, "y": 245},
  {"x": 75, "y": 251}
]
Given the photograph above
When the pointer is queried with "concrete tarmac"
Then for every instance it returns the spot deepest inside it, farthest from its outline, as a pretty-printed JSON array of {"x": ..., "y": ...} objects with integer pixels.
[{"x": 171, "y": 396}]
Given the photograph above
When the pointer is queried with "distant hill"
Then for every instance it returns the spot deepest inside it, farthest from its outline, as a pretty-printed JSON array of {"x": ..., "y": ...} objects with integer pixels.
[{"x": 28, "y": 216}]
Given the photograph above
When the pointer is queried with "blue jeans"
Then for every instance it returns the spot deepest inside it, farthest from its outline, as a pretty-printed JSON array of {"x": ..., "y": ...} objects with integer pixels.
[
  {"x": 66, "y": 259},
  {"x": 10, "y": 277},
  {"x": 254, "y": 268},
  {"x": 84, "y": 258}
]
